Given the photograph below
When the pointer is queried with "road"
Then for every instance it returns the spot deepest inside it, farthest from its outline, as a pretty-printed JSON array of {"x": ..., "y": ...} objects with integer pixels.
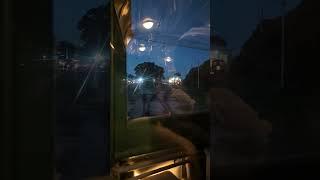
[{"x": 166, "y": 100}]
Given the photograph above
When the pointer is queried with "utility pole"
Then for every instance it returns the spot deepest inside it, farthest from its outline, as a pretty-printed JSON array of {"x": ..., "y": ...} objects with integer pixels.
[{"x": 283, "y": 44}]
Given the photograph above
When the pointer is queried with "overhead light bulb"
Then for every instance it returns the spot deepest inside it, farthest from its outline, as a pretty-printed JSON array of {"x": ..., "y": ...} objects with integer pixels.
[
  {"x": 168, "y": 59},
  {"x": 142, "y": 48},
  {"x": 148, "y": 23}
]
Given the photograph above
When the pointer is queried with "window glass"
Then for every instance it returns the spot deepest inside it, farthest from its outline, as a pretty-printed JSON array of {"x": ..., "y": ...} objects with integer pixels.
[
  {"x": 81, "y": 56},
  {"x": 164, "y": 56}
]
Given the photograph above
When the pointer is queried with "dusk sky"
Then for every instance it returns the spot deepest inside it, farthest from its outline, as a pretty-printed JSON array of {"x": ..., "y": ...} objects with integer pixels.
[
  {"x": 234, "y": 20},
  {"x": 67, "y": 13}
]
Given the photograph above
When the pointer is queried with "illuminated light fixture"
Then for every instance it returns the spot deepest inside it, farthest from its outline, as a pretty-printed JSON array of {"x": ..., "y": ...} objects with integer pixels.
[
  {"x": 175, "y": 80},
  {"x": 140, "y": 80},
  {"x": 111, "y": 45},
  {"x": 168, "y": 59},
  {"x": 171, "y": 80},
  {"x": 148, "y": 23},
  {"x": 176, "y": 171},
  {"x": 142, "y": 47}
]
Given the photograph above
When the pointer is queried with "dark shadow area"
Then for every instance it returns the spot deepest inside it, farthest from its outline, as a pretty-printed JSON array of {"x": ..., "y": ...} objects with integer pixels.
[
  {"x": 274, "y": 73},
  {"x": 82, "y": 93}
]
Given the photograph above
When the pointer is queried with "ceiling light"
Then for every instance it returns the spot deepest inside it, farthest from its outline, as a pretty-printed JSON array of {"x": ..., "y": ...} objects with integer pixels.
[
  {"x": 142, "y": 48},
  {"x": 168, "y": 59},
  {"x": 148, "y": 23}
]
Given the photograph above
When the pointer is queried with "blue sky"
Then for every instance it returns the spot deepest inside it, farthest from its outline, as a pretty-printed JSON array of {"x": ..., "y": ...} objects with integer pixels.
[
  {"x": 67, "y": 13},
  {"x": 234, "y": 20},
  {"x": 183, "y": 60}
]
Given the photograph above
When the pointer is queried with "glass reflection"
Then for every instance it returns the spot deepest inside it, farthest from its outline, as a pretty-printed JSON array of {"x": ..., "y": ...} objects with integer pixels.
[{"x": 162, "y": 55}]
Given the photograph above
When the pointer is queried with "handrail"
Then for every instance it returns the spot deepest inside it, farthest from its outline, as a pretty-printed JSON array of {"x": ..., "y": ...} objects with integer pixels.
[
  {"x": 160, "y": 170},
  {"x": 149, "y": 162}
]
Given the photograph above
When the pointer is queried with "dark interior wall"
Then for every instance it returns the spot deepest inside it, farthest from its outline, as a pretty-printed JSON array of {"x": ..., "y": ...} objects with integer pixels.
[
  {"x": 6, "y": 95},
  {"x": 27, "y": 90}
]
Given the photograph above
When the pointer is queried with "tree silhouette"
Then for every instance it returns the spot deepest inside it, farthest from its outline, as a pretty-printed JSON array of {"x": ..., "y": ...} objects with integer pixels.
[
  {"x": 94, "y": 27},
  {"x": 148, "y": 69}
]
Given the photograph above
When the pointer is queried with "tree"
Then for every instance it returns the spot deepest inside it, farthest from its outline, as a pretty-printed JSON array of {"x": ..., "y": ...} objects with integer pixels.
[
  {"x": 94, "y": 27},
  {"x": 148, "y": 69}
]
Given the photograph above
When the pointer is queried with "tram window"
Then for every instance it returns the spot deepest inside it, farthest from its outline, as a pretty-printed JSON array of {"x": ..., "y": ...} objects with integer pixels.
[
  {"x": 157, "y": 95},
  {"x": 164, "y": 58},
  {"x": 82, "y": 31}
]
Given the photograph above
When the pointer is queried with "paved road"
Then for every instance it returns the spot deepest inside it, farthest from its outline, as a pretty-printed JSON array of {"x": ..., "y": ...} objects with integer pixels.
[{"x": 166, "y": 99}]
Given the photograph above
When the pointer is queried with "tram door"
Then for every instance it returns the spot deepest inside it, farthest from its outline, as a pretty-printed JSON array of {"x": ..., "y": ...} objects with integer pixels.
[{"x": 159, "y": 121}]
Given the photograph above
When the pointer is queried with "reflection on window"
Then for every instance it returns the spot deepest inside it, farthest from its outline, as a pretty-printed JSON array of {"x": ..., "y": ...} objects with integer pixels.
[{"x": 163, "y": 55}]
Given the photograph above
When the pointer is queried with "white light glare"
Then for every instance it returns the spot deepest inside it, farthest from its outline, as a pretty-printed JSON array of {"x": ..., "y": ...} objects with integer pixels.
[
  {"x": 171, "y": 80},
  {"x": 168, "y": 59},
  {"x": 148, "y": 24},
  {"x": 175, "y": 80},
  {"x": 142, "y": 48},
  {"x": 140, "y": 80}
]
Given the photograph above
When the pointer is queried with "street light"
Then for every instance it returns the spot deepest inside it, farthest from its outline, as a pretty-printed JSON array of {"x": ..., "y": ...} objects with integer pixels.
[
  {"x": 175, "y": 80},
  {"x": 111, "y": 45},
  {"x": 140, "y": 80}
]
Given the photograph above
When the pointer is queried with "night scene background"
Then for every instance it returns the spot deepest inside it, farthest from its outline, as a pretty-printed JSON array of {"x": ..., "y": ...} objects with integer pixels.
[{"x": 245, "y": 43}]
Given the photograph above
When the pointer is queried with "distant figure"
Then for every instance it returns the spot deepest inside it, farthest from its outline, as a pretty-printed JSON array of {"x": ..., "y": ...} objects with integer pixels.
[{"x": 148, "y": 92}]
